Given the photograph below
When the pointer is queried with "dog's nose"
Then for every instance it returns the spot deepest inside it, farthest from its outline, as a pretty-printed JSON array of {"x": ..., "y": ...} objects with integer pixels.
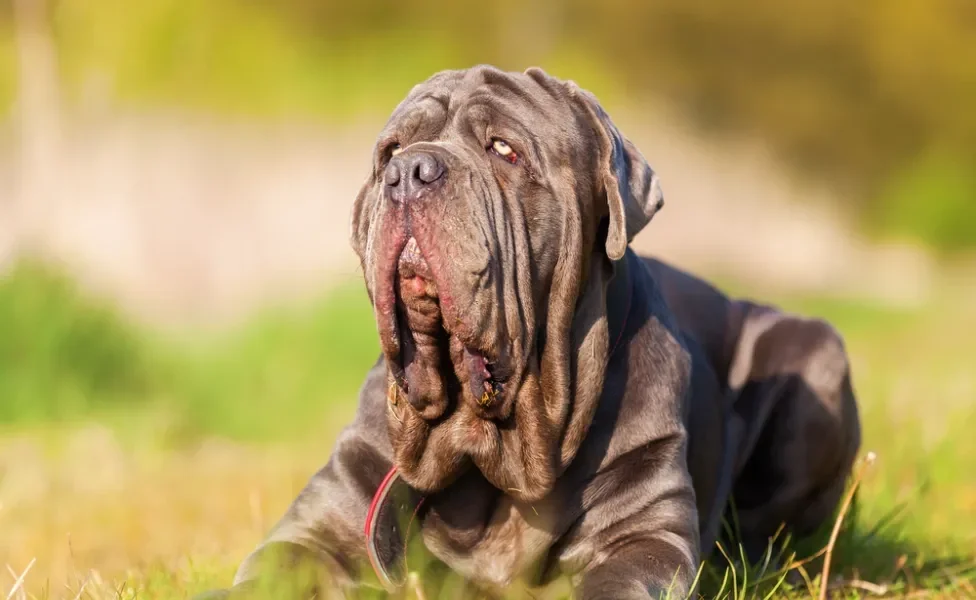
[{"x": 410, "y": 174}]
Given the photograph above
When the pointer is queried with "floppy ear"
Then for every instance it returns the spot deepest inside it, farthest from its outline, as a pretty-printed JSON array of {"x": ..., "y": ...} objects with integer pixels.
[
  {"x": 359, "y": 220},
  {"x": 633, "y": 189}
]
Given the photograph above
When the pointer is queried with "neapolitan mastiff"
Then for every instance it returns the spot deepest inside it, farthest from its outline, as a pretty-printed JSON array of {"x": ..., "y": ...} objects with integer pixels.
[{"x": 547, "y": 402}]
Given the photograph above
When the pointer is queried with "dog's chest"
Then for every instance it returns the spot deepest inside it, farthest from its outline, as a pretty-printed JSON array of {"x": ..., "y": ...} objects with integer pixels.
[{"x": 494, "y": 542}]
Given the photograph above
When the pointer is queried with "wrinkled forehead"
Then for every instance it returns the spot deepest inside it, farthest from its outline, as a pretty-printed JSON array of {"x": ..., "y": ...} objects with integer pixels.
[{"x": 480, "y": 97}]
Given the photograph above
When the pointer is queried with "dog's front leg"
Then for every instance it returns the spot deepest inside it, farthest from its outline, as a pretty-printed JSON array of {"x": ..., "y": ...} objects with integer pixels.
[
  {"x": 642, "y": 567},
  {"x": 287, "y": 570},
  {"x": 650, "y": 549},
  {"x": 318, "y": 548}
]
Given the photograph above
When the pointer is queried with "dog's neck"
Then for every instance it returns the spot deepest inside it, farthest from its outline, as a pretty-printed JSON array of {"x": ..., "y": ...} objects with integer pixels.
[
  {"x": 620, "y": 298},
  {"x": 553, "y": 406}
]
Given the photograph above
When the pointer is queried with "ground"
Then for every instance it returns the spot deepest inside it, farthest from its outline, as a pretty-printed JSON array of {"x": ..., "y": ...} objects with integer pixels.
[{"x": 165, "y": 499}]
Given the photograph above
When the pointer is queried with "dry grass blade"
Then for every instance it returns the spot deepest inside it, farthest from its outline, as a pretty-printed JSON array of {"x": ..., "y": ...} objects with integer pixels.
[
  {"x": 20, "y": 579},
  {"x": 806, "y": 579},
  {"x": 81, "y": 590},
  {"x": 857, "y": 584},
  {"x": 845, "y": 506},
  {"x": 732, "y": 569},
  {"x": 416, "y": 586}
]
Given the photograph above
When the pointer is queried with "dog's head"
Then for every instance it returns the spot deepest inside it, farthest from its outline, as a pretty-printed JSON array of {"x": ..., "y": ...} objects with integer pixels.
[{"x": 487, "y": 232}]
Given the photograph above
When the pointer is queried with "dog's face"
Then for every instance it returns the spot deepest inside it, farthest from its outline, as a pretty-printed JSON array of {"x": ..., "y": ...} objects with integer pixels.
[{"x": 486, "y": 232}]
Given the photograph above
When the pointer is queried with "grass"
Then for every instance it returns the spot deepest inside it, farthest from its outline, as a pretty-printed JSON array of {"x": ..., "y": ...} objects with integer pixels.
[
  {"x": 135, "y": 465},
  {"x": 62, "y": 356},
  {"x": 66, "y": 356}
]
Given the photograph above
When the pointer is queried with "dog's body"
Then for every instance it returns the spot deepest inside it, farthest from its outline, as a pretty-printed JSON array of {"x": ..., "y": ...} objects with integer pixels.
[{"x": 564, "y": 405}]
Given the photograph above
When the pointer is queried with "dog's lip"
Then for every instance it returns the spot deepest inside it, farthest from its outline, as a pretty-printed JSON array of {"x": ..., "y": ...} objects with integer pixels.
[
  {"x": 486, "y": 378},
  {"x": 483, "y": 371},
  {"x": 480, "y": 370},
  {"x": 412, "y": 264},
  {"x": 481, "y": 365}
]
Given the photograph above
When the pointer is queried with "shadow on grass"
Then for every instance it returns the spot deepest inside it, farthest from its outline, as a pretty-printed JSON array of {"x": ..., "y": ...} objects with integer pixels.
[{"x": 868, "y": 560}]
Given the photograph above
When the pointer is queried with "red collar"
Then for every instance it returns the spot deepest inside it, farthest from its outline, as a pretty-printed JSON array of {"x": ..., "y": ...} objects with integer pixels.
[
  {"x": 386, "y": 534},
  {"x": 385, "y": 545}
]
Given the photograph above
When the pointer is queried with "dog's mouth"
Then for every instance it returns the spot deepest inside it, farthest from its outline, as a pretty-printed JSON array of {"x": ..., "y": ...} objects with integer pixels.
[{"x": 434, "y": 367}]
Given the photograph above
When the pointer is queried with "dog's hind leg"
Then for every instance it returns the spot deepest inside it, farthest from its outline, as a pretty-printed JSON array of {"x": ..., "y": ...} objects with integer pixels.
[{"x": 795, "y": 393}]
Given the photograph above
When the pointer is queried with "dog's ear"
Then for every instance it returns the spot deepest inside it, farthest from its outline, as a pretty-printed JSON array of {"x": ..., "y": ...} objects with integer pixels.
[
  {"x": 632, "y": 188},
  {"x": 359, "y": 220}
]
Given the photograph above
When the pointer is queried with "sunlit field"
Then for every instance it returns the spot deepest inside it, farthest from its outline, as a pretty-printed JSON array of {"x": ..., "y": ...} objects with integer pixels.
[
  {"x": 141, "y": 465},
  {"x": 195, "y": 163}
]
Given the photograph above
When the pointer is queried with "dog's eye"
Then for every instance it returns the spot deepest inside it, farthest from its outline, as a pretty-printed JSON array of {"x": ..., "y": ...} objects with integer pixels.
[
  {"x": 395, "y": 149},
  {"x": 501, "y": 148}
]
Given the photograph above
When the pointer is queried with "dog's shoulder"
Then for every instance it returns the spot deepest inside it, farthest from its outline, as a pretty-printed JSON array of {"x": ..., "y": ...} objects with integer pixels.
[{"x": 705, "y": 314}]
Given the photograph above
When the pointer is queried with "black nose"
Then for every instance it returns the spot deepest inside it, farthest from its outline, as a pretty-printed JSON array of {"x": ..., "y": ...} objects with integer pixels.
[{"x": 410, "y": 174}]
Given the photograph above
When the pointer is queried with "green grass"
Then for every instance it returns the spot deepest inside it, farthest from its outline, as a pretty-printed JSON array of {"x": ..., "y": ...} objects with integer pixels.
[
  {"x": 67, "y": 356},
  {"x": 281, "y": 385},
  {"x": 283, "y": 371},
  {"x": 63, "y": 356}
]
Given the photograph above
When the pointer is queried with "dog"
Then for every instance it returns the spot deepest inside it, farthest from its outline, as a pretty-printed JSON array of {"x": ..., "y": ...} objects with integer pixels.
[{"x": 547, "y": 402}]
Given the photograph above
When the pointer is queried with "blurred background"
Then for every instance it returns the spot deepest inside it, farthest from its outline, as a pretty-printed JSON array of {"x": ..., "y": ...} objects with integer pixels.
[{"x": 182, "y": 327}]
